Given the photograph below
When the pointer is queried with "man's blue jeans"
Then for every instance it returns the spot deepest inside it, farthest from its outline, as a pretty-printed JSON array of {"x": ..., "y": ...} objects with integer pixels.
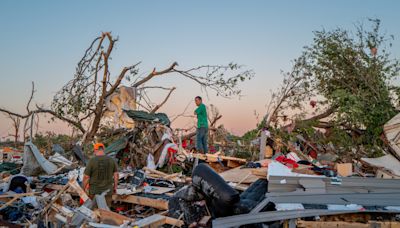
[{"x": 201, "y": 139}]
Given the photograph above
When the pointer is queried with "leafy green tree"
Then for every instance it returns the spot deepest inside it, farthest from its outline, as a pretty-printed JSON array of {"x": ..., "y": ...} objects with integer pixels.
[{"x": 350, "y": 77}]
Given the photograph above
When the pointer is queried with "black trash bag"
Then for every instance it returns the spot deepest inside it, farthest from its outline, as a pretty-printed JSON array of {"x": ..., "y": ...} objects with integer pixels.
[
  {"x": 192, "y": 212},
  {"x": 189, "y": 193},
  {"x": 18, "y": 184},
  {"x": 256, "y": 191},
  {"x": 251, "y": 197},
  {"x": 78, "y": 153},
  {"x": 220, "y": 197}
]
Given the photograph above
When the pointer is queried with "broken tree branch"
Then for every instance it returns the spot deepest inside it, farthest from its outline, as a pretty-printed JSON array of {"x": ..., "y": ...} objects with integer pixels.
[
  {"x": 163, "y": 102},
  {"x": 31, "y": 97},
  {"x": 155, "y": 73}
]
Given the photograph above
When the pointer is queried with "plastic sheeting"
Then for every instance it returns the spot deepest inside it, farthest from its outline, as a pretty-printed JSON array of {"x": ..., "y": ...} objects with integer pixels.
[
  {"x": 117, "y": 145},
  {"x": 35, "y": 162},
  {"x": 145, "y": 116},
  {"x": 388, "y": 162},
  {"x": 124, "y": 98}
]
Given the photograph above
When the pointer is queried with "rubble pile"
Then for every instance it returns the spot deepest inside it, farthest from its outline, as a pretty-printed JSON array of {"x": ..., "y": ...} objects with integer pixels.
[{"x": 300, "y": 186}]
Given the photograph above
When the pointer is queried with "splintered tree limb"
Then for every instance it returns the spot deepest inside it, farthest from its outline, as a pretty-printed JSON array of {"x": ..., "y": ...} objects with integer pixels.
[
  {"x": 31, "y": 97},
  {"x": 163, "y": 102},
  {"x": 323, "y": 115},
  {"x": 315, "y": 120},
  {"x": 154, "y": 87},
  {"x": 214, "y": 121},
  {"x": 15, "y": 114},
  {"x": 74, "y": 123},
  {"x": 29, "y": 113},
  {"x": 155, "y": 73},
  {"x": 119, "y": 79}
]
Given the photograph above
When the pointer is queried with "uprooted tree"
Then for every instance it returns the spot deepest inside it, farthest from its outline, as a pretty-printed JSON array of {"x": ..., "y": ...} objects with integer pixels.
[
  {"x": 345, "y": 82},
  {"x": 81, "y": 102}
]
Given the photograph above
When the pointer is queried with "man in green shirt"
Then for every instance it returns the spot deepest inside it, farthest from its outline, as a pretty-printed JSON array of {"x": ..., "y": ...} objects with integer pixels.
[
  {"x": 101, "y": 174},
  {"x": 202, "y": 126}
]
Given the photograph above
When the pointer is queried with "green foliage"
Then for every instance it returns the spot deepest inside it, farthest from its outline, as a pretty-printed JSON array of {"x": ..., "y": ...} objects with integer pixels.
[
  {"x": 45, "y": 141},
  {"x": 351, "y": 75},
  {"x": 353, "y": 72}
]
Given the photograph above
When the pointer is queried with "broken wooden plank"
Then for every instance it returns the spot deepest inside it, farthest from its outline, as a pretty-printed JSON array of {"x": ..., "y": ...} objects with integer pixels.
[
  {"x": 174, "y": 222},
  {"x": 172, "y": 176},
  {"x": 15, "y": 198},
  {"x": 112, "y": 218},
  {"x": 233, "y": 164},
  {"x": 260, "y": 172},
  {"x": 144, "y": 201},
  {"x": 44, "y": 211},
  {"x": 162, "y": 174},
  {"x": 215, "y": 158},
  {"x": 237, "y": 174},
  {"x": 151, "y": 221},
  {"x": 78, "y": 189}
]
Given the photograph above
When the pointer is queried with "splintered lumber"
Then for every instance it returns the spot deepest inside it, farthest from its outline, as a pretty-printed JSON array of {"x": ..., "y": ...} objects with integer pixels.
[
  {"x": 157, "y": 220},
  {"x": 78, "y": 189},
  {"x": 144, "y": 201},
  {"x": 158, "y": 174},
  {"x": 215, "y": 158},
  {"x": 151, "y": 221},
  {"x": 233, "y": 164},
  {"x": 173, "y": 222},
  {"x": 44, "y": 211},
  {"x": 261, "y": 172},
  {"x": 112, "y": 218},
  {"x": 161, "y": 174},
  {"x": 15, "y": 198},
  {"x": 172, "y": 176},
  {"x": 237, "y": 175}
]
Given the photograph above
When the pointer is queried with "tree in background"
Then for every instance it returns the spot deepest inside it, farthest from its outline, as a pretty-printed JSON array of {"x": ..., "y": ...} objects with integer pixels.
[
  {"x": 81, "y": 102},
  {"x": 16, "y": 123},
  {"x": 347, "y": 80}
]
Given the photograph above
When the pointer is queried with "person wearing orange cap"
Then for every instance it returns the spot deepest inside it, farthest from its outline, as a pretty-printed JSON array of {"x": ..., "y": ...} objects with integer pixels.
[{"x": 101, "y": 174}]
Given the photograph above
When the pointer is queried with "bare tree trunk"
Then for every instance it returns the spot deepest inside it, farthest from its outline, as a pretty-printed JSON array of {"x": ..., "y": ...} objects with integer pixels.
[{"x": 16, "y": 124}]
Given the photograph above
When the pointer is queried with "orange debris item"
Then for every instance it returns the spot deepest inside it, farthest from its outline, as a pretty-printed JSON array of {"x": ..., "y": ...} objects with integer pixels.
[{"x": 98, "y": 146}]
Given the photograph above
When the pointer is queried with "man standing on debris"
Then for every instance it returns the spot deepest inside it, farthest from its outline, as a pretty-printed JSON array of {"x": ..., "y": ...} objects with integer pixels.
[
  {"x": 202, "y": 126},
  {"x": 101, "y": 174}
]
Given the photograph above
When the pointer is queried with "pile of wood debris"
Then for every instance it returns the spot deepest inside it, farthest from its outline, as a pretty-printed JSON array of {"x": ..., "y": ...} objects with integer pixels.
[{"x": 208, "y": 190}]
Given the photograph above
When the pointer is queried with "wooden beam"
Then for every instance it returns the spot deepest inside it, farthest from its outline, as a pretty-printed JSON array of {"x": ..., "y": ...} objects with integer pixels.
[
  {"x": 152, "y": 221},
  {"x": 144, "y": 201},
  {"x": 78, "y": 189},
  {"x": 111, "y": 218},
  {"x": 15, "y": 198},
  {"x": 214, "y": 158},
  {"x": 174, "y": 221},
  {"x": 233, "y": 164},
  {"x": 65, "y": 188},
  {"x": 260, "y": 172}
]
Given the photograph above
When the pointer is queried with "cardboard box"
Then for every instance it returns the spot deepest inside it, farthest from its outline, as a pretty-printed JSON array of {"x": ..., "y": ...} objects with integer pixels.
[{"x": 344, "y": 169}]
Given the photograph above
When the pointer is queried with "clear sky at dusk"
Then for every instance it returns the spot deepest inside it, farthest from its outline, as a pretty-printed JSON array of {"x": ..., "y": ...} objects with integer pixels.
[{"x": 42, "y": 41}]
